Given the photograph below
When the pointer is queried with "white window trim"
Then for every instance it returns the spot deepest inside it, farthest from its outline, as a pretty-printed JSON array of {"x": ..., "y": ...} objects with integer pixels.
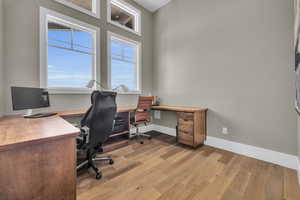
[
  {"x": 139, "y": 61},
  {"x": 128, "y": 8},
  {"x": 96, "y": 10},
  {"x": 45, "y": 15}
]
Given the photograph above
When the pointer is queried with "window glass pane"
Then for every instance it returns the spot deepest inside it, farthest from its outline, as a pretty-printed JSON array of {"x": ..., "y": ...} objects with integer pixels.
[
  {"x": 122, "y": 17},
  {"x": 116, "y": 49},
  {"x": 129, "y": 53},
  {"x": 70, "y": 56},
  {"x": 123, "y": 73},
  {"x": 86, "y": 4},
  {"x": 59, "y": 35},
  {"x": 83, "y": 41},
  {"x": 123, "y": 65},
  {"x": 68, "y": 69}
]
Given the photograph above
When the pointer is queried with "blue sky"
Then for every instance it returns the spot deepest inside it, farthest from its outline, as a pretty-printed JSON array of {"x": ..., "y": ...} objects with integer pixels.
[{"x": 71, "y": 68}]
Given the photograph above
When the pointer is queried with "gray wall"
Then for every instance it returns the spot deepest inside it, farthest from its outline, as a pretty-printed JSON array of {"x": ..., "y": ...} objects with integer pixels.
[
  {"x": 234, "y": 57},
  {"x": 298, "y": 118},
  {"x": 1, "y": 60},
  {"x": 22, "y": 49}
]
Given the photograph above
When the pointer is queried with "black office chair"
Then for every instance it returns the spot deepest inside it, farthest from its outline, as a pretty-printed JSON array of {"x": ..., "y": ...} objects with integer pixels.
[{"x": 96, "y": 127}]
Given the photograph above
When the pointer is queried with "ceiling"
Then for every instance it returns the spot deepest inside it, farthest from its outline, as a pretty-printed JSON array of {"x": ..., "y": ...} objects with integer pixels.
[{"x": 152, "y": 5}]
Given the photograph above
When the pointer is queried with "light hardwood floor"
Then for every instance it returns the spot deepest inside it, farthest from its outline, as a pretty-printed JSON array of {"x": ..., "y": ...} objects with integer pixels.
[{"x": 163, "y": 170}]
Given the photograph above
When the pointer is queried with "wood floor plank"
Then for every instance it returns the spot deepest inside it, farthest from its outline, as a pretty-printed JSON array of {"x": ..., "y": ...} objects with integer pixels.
[
  {"x": 237, "y": 187},
  {"x": 163, "y": 170},
  {"x": 257, "y": 182},
  {"x": 218, "y": 183},
  {"x": 274, "y": 186},
  {"x": 291, "y": 189}
]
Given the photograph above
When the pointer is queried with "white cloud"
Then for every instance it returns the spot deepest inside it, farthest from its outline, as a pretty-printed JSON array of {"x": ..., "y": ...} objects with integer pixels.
[{"x": 51, "y": 66}]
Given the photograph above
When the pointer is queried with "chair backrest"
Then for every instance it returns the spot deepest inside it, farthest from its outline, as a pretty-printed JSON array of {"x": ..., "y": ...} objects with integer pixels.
[
  {"x": 100, "y": 117},
  {"x": 143, "y": 111}
]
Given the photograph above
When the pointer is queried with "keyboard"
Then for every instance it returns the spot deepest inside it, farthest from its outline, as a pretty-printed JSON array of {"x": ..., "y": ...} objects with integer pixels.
[{"x": 40, "y": 115}]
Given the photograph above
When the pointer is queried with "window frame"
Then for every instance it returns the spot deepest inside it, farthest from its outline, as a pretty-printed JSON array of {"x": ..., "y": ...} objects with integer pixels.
[
  {"x": 47, "y": 15},
  {"x": 130, "y": 9},
  {"x": 96, "y": 13},
  {"x": 138, "y": 62}
]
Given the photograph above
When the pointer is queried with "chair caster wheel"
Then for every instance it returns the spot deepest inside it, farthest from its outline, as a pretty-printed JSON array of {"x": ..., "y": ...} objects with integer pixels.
[
  {"x": 111, "y": 162},
  {"x": 142, "y": 142},
  {"x": 98, "y": 175}
]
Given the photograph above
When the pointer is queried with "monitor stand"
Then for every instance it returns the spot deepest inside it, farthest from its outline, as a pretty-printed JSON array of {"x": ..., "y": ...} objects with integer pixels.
[{"x": 29, "y": 115}]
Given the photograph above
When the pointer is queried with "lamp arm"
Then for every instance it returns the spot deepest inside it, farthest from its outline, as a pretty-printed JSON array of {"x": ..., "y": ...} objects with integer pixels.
[
  {"x": 101, "y": 86},
  {"x": 124, "y": 87}
]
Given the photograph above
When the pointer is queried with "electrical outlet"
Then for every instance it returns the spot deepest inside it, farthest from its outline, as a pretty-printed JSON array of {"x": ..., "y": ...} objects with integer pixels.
[
  {"x": 225, "y": 131},
  {"x": 156, "y": 114}
]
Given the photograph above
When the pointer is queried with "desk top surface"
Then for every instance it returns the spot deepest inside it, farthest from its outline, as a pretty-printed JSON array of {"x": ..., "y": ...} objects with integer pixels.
[
  {"x": 179, "y": 108},
  {"x": 72, "y": 113},
  {"x": 16, "y": 130}
]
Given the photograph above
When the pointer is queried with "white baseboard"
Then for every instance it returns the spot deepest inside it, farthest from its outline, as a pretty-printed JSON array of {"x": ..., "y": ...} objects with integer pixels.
[
  {"x": 299, "y": 171},
  {"x": 282, "y": 159},
  {"x": 154, "y": 127}
]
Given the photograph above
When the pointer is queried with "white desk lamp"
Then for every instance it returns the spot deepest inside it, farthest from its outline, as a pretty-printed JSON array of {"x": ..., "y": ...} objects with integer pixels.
[{"x": 120, "y": 88}]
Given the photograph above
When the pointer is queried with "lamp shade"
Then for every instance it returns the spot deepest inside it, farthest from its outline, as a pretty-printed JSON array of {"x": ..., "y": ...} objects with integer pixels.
[{"x": 90, "y": 84}]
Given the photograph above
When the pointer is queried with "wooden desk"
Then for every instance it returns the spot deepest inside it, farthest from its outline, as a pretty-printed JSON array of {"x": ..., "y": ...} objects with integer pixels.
[
  {"x": 191, "y": 124},
  {"x": 179, "y": 109},
  {"x": 38, "y": 156}
]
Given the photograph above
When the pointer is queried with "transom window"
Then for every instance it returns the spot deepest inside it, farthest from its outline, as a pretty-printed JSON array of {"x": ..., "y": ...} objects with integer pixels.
[
  {"x": 124, "y": 15},
  {"x": 69, "y": 56},
  {"x": 124, "y": 63},
  {"x": 90, "y": 7}
]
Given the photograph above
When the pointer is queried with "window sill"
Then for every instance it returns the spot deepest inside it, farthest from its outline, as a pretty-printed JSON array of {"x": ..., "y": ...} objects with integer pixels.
[
  {"x": 130, "y": 93},
  {"x": 69, "y": 91},
  {"x": 66, "y": 91},
  {"x": 124, "y": 27}
]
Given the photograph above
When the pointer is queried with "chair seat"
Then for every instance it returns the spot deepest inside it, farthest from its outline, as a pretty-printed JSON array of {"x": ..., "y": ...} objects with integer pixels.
[{"x": 139, "y": 122}]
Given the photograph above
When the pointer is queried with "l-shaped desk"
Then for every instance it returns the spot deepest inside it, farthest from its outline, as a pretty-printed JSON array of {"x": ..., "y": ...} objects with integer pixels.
[{"x": 38, "y": 156}]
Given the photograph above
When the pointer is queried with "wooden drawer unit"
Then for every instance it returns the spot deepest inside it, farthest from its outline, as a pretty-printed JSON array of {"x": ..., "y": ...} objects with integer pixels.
[
  {"x": 191, "y": 129},
  {"x": 185, "y": 138},
  {"x": 186, "y": 126}
]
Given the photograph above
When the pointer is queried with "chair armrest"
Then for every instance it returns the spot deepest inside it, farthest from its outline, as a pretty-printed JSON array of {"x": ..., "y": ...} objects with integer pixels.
[
  {"x": 114, "y": 123},
  {"x": 85, "y": 133},
  {"x": 83, "y": 138}
]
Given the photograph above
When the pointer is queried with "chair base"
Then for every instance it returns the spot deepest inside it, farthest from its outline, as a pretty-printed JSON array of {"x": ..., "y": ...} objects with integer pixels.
[
  {"x": 139, "y": 136},
  {"x": 91, "y": 163}
]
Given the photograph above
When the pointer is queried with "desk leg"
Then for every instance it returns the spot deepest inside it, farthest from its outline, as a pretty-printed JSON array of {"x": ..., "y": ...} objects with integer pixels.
[
  {"x": 46, "y": 171},
  {"x": 176, "y": 133}
]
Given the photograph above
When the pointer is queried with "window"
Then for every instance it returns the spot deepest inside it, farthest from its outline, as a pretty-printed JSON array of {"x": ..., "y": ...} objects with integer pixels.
[
  {"x": 69, "y": 50},
  {"x": 124, "y": 15},
  {"x": 124, "y": 56},
  {"x": 90, "y": 7}
]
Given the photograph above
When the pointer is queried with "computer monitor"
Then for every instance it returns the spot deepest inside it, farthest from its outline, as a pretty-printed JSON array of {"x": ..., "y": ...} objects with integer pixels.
[{"x": 25, "y": 98}]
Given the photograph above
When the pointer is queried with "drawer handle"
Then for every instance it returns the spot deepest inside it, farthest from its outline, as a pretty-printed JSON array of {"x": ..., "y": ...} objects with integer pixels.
[{"x": 185, "y": 132}]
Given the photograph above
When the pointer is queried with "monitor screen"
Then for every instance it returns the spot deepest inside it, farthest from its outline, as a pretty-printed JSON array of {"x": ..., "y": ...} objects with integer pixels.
[{"x": 29, "y": 98}]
